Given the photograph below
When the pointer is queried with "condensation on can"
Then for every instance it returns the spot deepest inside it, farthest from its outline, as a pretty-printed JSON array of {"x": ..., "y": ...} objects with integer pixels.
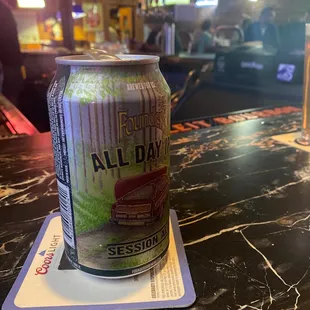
[{"x": 110, "y": 124}]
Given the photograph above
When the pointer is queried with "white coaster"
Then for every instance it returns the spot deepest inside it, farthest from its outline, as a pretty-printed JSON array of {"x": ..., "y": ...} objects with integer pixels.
[{"x": 48, "y": 280}]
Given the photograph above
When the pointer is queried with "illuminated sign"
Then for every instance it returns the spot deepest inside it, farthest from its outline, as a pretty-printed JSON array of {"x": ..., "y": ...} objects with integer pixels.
[
  {"x": 286, "y": 72},
  {"x": 206, "y": 2},
  {"x": 251, "y": 65},
  {"x": 31, "y": 4},
  {"x": 169, "y": 2}
]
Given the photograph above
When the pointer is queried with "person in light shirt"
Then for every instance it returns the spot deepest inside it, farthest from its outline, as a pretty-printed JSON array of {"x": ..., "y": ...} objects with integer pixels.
[
  {"x": 203, "y": 38},
  {"x": 264, "y": 30}
]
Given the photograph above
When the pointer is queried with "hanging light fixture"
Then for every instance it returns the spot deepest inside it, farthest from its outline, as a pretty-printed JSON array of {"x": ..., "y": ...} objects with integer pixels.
[{"x": 31, "y": 4}]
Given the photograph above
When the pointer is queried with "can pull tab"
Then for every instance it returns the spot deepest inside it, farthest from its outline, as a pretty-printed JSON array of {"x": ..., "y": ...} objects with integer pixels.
[{"x": 100, "y": 54}]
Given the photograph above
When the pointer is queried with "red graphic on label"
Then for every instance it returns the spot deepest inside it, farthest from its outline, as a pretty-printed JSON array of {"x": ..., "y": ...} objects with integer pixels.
[
  {"x": 141, "y": 198},
  {"x": 48, "y": 256},
  {"x": 47, "y": 261}
]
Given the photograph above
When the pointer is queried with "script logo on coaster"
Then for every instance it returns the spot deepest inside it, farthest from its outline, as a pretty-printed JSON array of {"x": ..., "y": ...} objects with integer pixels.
[{"x": 48, "y": 256}]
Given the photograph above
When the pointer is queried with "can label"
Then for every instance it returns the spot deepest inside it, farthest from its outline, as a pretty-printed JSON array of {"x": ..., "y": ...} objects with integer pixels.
[
  {"x": 111, "y": 130},
  {"x": 61, "y": 157}
]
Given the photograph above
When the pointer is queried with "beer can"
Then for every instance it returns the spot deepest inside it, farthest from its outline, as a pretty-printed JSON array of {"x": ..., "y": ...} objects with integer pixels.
[{"x": 110, "y": 125}]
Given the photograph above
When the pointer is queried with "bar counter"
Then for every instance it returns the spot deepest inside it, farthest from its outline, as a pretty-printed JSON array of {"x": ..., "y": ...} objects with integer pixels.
[{"x": 242, "y": 201}]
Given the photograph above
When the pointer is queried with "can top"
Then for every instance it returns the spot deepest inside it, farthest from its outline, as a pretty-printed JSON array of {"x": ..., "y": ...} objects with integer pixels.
[{"x": 126, "y": 60}]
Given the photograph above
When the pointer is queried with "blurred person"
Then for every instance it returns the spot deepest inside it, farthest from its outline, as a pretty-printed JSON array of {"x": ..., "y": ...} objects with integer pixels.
[
  {"x": 203, "y": 38},
  {"x": 10, "y": 55},
  {"x": 295, "y": 33},
  {"x": 113, "y": 35},
  {"x": 153, "y": 42},
  {"x": 246, "y": 22},
  {"x": 264, "y": 29},
  {"x": 155, "y": 31},
  {"x": 306, "y": 17},
  {"x": 114, "y": 27},
  {"x": 150, "y": 45},
  {"x": 1, "y": 78}
]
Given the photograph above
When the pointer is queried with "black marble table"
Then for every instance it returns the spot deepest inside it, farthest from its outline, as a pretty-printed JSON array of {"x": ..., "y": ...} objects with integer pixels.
[{"x": 242, "y": 200}]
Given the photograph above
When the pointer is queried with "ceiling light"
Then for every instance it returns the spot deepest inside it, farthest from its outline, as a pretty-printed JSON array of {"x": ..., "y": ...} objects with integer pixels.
[
  {"x": 31, "y": 4},
  {"x": 206, "y": 2}
]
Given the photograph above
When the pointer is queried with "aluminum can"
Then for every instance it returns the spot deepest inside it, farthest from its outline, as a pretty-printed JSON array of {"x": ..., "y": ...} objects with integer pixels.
[{"x": 110, "y": 125}]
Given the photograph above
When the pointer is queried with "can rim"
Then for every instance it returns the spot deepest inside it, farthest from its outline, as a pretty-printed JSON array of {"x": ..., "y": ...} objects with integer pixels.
[{"x": 127, "y": 60}]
